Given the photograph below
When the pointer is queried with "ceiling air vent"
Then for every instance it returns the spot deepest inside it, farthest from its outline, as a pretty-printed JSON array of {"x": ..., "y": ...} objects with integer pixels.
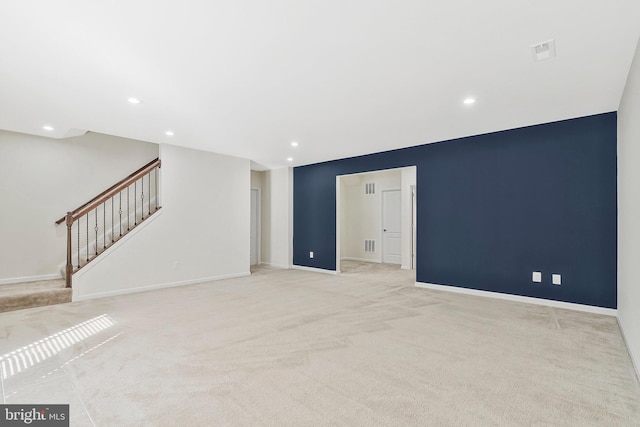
[{"x": 544, "y": 50}]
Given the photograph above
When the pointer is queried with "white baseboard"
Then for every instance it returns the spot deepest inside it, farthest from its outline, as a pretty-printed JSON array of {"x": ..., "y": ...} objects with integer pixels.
[
  {"x": 518, "y": 298},
  {"x": 375, "y": 261},
  {"x": 634, "y": 362},
  {"x": 26, "y": 279},
  {"x": 268, "y": 264},
  {"x": 158, "y": 286},
  {"x": 313, "y": 269}
]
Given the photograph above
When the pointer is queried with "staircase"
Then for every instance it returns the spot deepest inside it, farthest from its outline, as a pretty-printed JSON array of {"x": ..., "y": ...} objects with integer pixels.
[
  {"x": 105, "y": 239},
  {"x": 91, "y": 230}
]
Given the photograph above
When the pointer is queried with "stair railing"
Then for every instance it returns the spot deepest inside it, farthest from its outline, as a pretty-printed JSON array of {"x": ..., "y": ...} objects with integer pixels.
[{"x": 121, "y": 207}]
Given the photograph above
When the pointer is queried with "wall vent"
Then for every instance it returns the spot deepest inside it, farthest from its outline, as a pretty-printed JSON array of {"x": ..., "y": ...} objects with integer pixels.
[
  {"x": 369, "y": 188},
  {"x": 544, "y": 50},
  {"x": 370, "y": 246}
]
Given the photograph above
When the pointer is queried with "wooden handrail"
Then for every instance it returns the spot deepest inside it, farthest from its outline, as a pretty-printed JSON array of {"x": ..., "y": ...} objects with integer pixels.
[{"x": 110, "y": 192}]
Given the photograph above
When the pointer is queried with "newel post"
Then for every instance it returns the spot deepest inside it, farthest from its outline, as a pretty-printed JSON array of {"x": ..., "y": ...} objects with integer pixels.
[{"x": 69, "y": 267}]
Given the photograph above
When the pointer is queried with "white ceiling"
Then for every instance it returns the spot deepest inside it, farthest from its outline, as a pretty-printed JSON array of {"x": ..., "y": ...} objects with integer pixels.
[{"x": 343, "y": 78}]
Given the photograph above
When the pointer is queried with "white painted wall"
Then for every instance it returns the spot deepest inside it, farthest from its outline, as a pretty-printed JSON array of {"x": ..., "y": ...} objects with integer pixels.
[
  {"x": 353, "y": 229},
  {"x": 256, "y": 179},
  {"x": 629, "y": 211},
  {"x": 202, "y": 233},
  {"x": 41, "y": 179}
]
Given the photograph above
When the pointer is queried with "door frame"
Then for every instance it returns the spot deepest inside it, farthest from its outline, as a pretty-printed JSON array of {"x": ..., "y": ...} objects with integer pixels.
[
  {"x": 411, "y": 205},
  {"x": 412, "y": 264}
]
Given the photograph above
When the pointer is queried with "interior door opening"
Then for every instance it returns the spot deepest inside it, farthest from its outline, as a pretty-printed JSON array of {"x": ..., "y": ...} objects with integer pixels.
[
  {"x": 375, "y": 218},
  {"x": 254, "y": 233}
]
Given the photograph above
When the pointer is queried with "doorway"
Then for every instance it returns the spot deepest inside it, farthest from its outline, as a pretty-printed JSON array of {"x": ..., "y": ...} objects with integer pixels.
[
  {"x": 375, "y": 218},
  {"x": 255, "y": 227}
]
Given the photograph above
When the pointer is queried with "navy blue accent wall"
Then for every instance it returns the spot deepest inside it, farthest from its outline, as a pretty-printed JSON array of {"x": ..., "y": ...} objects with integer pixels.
[{"x": 493, "y": 208}]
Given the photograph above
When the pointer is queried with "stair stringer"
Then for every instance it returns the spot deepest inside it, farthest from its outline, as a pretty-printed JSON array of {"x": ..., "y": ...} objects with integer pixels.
[
  {"x": 113, "y": 248},
  {"x": 134, "y": 219}
]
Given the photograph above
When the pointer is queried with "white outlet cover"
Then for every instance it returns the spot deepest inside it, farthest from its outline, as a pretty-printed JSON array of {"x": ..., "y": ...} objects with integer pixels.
[
  {"x": 556, "y": 279},
  {"x": 311, "y": 254},
  {"x": 536, "y": 276}
]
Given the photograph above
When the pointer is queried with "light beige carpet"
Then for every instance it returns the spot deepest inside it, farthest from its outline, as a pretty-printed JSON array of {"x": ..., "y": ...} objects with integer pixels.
[
  {"x": 33, "y": 294},
  {"x": 294, "y": 348}
]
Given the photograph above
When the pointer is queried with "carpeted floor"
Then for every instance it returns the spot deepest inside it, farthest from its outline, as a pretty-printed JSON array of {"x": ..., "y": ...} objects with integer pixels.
[
  {"x": 33, "y": 294},
  {"x": 295, "y": 348}
]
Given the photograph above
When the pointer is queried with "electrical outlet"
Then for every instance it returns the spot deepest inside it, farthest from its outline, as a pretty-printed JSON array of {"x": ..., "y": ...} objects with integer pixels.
[
  {"x": 176, "y": 265},
  {"x": 536, "y": 276},
  {"x": 556, "y": 279},
  {"x": 311, "y": 254}
]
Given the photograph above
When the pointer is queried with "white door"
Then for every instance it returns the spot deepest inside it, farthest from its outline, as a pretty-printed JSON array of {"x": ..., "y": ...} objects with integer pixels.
[
  {"x": 255, "y": 226},
  {"x": 391, "y": 231}
]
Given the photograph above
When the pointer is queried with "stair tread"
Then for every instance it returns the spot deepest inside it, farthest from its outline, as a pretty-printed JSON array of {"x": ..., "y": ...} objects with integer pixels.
[
  {"x": 17, "y": 296},
  {"x": 31, "y": 287}
]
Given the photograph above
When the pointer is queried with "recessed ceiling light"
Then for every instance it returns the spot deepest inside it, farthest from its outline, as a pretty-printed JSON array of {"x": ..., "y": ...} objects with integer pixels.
[
  {"x": 47, "y": 127},
  {"x": 294, "y": 144},
  {"x": 169, "y": 133},
  {"x": 133, "y": 100},
  {"x": 289, "y": 159},
  {"x": 469, "y": 101}
]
